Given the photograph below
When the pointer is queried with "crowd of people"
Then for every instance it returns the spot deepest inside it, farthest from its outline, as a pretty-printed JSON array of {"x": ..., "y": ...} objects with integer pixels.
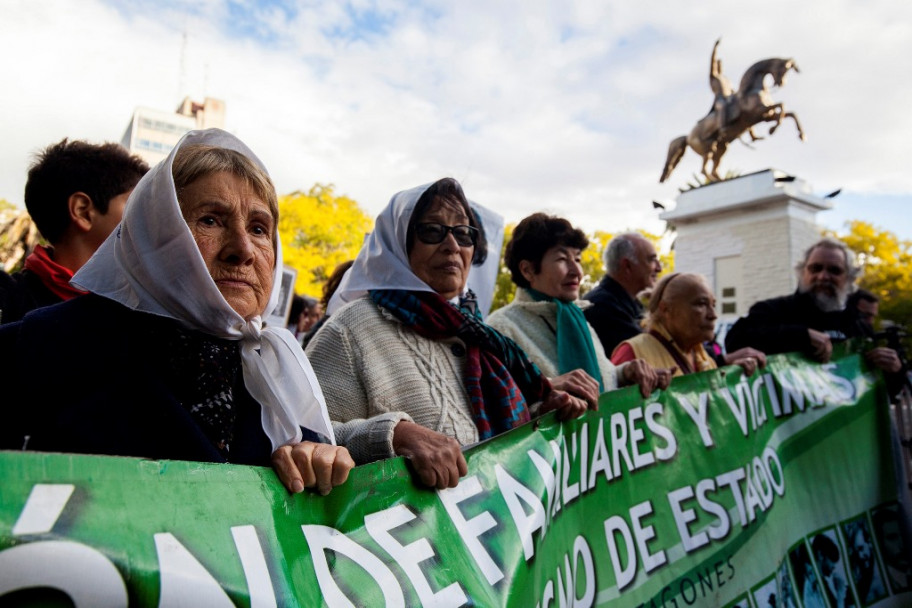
[{"x": 155, "y": 284}]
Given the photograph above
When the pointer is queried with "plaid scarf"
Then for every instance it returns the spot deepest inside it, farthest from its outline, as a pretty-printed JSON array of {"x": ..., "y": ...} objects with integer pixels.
[{"x": 500, "y": 379}]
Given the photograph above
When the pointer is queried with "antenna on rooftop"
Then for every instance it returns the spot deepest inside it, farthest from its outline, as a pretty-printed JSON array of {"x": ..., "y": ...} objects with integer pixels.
[{"x": 181, "y": 82}]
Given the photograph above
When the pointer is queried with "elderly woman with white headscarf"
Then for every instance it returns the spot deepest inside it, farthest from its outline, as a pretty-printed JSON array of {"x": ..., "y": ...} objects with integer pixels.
[
  {"x": 407, "y": 366},
  {"x": 167, "y": 357}
]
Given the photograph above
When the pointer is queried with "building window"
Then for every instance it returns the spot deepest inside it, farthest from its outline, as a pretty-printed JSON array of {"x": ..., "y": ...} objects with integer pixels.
[{"x": 728, "y": 280}]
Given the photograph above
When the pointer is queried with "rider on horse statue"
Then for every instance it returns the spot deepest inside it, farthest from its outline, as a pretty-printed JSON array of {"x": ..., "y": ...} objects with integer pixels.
[{"x": 733, "y": 113}]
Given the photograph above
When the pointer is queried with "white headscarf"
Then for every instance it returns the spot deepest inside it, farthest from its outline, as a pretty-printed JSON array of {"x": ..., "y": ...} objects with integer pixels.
[
  {"x": 383, "y": 262},
  {"x": 151, "y": 263}
]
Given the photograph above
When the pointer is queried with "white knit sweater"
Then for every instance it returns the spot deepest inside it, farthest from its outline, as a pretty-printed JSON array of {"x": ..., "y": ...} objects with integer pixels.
[
  {"x": 532, "y": 325},
  {"x": 375, "y": 372}
]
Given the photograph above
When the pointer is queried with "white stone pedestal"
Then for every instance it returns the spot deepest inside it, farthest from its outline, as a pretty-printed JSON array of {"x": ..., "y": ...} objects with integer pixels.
[{"x": 746, "y": 234}]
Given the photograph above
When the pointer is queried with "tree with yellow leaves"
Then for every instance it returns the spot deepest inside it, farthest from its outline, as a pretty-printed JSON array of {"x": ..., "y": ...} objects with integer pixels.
[
  {"x": 319, "y": 230},
  {"x": 886, "y": 263},
  {"x": 591, "y": 259}
]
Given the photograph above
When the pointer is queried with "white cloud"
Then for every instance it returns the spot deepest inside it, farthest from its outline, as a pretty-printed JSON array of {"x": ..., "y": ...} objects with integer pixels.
[{"x": 566, "y": 107}]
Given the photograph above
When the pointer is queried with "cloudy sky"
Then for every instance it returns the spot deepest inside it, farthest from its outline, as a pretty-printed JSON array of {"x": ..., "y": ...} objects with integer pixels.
[{"x": 567, "y": 107}]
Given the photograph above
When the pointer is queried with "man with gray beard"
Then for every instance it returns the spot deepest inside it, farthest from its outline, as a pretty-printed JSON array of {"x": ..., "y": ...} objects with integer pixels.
[{"x": 813, "y": 317}]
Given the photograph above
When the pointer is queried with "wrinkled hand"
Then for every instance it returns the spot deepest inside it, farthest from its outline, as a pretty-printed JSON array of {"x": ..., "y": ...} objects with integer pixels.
[
  {"x": 648, "y": 377},
  {"x": 750, "y": 359},
  {"x": 308, "y": 464},
  {"x": 748, "y": 364},
  {"x": 744, "y": 353},
  {"x": 664, "y": 376},
  {"x": 436, "y": 458},
  {"x": 885, "y": 359},
  {"x": 821, "y": 347},
  {"x": 579, "y": 384},
  {"x": 566, "y": 405}
]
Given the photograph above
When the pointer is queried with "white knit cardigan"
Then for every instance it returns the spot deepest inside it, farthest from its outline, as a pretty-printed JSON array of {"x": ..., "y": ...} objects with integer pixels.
[{"x": 375, "y": 372}]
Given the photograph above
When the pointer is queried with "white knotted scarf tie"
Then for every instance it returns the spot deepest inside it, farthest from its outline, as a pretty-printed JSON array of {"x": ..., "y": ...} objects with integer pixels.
[{"x": 264, "y": 349}]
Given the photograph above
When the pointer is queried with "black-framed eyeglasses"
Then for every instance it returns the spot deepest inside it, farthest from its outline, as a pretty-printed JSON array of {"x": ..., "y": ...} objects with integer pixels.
[
  {"x": 833, "y": 270},
  {"x": 431, "y": 233}
]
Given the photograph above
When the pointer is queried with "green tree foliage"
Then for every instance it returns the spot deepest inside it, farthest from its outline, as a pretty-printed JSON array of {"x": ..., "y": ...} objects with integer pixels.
[
  {"x": 319, "y": 230},
  {"x": 593, "y": 269},
  {"x": 886, "y": 263}
]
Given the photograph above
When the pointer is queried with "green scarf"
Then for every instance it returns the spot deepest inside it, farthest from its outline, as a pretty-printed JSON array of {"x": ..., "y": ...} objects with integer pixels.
[{"x": 574, "y": 342}]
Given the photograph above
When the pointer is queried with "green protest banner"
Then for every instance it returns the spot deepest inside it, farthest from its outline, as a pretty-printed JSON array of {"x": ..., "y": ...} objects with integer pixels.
[{"x": 724, "y": 490}]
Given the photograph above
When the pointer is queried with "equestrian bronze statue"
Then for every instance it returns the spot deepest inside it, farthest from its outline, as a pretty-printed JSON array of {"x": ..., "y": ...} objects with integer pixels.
[{"x": 733, "y": 113}]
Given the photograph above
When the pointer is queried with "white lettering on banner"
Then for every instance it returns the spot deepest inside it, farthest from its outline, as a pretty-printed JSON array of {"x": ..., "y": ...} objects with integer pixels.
[
  {"x": 739, "y": 409},
  {"x": 844, "y": 391},
  {"x": 558, "y": 475},
  {"x": 619, "y": 443},
  {"x": 794, "y": 390},
  {"x": 409, "y": 557},
  {"x": 623, "y": 428},
  {"x": 751, "y": 495},
  {"x": 653, "y": 411},
  {"x": 547, "y": 596},
  {"x": 683, "y": 517},
  {"x": 773, "y": 395},
  {"x": 84, "y": 574},
  {"x": 569, "y": 492},
  {"x": 470, "y": 530},
  {"x": 644, "y": 534},
  {"x": 600, "y": 460},
  {"x": 569, "y": 580},
  {"x": 322, "y": 538},
  {"x": 720, "y": 530},
  {"x": 759, "y": 412},
  {"x": 732, "y": 479},
  {"x": 623, "y": 573},
  {"x": 637, "y": 436},
  {"x": 253, "y": 562},
  {"x": 550, "y": 480},
  {"x": 698, "y": 415},
  {"x": 513, "y": 492},
  {"x": 185, "y": 581},
  {"x": 762, "y": 484},
  {"x": 43, "y": 507},
  {"x": 635, "y": 544},
  {"x": 584, "y": 456},
  {"x": 565, "y": 585},
  {"x": 582, "y": 551},
  {"x": 770, "y": 457},
  {"x": 814, "y": 387},
  {"x": 95, "y": 581}
]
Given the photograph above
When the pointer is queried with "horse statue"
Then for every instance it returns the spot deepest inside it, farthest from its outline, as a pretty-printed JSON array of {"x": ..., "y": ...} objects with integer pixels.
[{"x": 734, "y": 113}]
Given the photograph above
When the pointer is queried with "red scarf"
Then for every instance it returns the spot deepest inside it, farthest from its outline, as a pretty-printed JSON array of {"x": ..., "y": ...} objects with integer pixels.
[{"x": 54, "y": 276}]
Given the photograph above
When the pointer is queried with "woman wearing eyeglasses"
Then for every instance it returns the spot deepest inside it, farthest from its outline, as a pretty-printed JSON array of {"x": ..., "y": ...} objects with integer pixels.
[
  {"x": 546, "y": 317},
  {"x": 407, "y": 366},
  {"x": 682, "y": 316}
]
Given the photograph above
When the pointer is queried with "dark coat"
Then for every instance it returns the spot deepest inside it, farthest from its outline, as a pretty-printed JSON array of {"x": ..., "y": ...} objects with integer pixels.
[
  {"x": 614, "y": 315},
  {"x": 21, "y": 293},
  {"x": 780, "y": 325},
  {"x": 86, "y": 376}
]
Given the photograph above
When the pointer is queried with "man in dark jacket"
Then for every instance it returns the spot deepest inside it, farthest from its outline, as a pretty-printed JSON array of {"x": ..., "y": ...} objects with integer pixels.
[
  {"x": 631, "y": 265},
  {"x": 813, "y": 317},
  {"x": 75, "y": 194}
]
